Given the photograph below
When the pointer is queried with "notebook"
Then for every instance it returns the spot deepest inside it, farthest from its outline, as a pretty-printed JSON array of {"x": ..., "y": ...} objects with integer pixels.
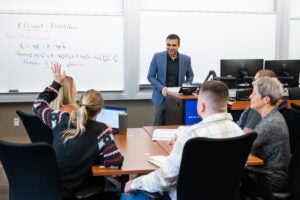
[{"x": 110, "y": 115}]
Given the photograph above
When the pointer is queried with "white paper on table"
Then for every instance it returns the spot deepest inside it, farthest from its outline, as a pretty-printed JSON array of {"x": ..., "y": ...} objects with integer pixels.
[
  {"x": 173, "y": 89},
  {"x": 166, "y": 134},
  {"x": 157, "y": 160}
]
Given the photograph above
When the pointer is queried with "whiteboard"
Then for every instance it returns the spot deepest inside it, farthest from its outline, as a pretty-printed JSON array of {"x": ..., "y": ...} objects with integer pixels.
[
  {"x": 90, "y": 49},
  {"x": 87, "y": 7},
  {"x": 254, "y": 6},
  {"x": 207, "y": 38},
  {"x": 294, "y": 43}
]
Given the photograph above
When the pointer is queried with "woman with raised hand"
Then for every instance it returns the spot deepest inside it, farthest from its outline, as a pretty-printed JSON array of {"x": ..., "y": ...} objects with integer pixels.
[{"x": 78, "y": 140}]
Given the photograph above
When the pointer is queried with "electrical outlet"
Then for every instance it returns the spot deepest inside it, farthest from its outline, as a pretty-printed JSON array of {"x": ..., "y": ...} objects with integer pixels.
[{"x": 16, "y": 121}]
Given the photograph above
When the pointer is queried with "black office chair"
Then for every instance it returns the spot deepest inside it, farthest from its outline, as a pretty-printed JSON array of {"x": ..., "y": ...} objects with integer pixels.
[
  {"x": 294, "y": 93},
  {"x": 35, "y": 128},
  {"x": 294, "y": 168},
  {"x": 287, "y": 114},
  {"x": 282, "y": 107},
  {"x": 294, "y": 128},
  {"x": 211, "y": 168},
  {"x": 295, "y": 106},
  {"x": 39, "y": 132},
  {"x": 294, "y": 173},
  {"x": 33, "y": 173}
]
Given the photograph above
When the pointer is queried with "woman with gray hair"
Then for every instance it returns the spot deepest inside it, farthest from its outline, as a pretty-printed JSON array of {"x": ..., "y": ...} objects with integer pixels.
[
  {"x": 250, "y": 117},
  {"x": 272, "y": 142}
]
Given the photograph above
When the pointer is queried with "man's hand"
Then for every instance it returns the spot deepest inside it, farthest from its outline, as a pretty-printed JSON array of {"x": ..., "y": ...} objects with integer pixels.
[
  {"x": 164, "y": 91},
  {"x": 127, "y": 188},
  {"x": 173, "y": 140}
]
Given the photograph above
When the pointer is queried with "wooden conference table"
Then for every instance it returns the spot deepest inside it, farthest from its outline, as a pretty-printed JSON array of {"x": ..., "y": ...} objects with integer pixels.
[
  {"x": 252, "y": 160},
  {"x": 136, "y": 146}
]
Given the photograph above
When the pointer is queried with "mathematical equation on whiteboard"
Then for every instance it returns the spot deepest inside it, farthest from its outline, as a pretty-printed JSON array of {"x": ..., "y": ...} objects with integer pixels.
[
  {"x": 72, "y": 42},
  {"x": 48, "y": 54}
]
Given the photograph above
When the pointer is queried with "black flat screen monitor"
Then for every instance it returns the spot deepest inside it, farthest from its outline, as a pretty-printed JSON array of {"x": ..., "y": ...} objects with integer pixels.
[
  {"x": 188, "y": 90},
  {"x": 239, "y": 73},
  {"x": 287, "y": 71}
]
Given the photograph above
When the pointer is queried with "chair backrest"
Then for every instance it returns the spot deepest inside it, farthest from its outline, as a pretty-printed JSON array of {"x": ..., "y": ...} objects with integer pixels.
[
  {"x": 287, "y": 114},
  {"x": 211, "y": 168},
  {"x": 295, "y": 106},
  {"x": 31, "y": 170},
  {"x": 282, "y": 107},
  {"x": 295, "y": 174},
  {"x": 35, "y": 128},
  {"x": 295, "y": 132},
  {"x": 295, "y": 161},
  {"x": 294, "y": 93}
]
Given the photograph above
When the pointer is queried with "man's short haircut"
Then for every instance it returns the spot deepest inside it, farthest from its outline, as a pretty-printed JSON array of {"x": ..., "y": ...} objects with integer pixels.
[
  {"x": 173, "y": 37},
  {"x": 271, "y": 87},
  {"x": 266, "y": 72},
  {"x": 217, "y": 94}
]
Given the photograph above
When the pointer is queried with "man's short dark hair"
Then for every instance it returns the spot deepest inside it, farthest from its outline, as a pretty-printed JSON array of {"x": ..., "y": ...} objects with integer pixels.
[
  {"x": 173, "y": 37},
  {"x": 218, "y": 94}
]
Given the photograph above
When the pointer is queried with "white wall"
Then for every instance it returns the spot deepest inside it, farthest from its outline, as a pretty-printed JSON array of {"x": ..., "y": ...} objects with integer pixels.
[
  {"x": 294, "y": 22},
  {"x": 286, "y": 31}
]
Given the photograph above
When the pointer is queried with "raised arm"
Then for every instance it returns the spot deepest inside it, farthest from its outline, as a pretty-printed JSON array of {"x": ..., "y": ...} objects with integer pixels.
[
  {"x": 41, "y": 105},
  {"x": 57, "y": 74}
]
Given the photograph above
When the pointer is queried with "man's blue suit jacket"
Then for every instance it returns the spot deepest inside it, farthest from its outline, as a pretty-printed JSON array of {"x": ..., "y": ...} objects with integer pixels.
[{"x": 157, "y": 74}]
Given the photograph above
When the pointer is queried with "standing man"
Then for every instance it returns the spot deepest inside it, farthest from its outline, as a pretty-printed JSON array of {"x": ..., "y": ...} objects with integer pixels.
[{"x": 168, "y": 69}]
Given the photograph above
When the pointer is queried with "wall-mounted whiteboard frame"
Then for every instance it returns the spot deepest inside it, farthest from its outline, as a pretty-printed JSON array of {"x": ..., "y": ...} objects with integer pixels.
[
  {"x": 87, "y": 7},
  {"x": 249, "y": 6}
]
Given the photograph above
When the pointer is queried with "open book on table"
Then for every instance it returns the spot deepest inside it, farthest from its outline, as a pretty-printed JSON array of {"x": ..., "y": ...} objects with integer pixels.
[{"x": 166, "y": 134}]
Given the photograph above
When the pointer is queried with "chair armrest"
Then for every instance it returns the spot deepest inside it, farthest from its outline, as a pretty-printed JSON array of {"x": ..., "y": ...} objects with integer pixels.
[
  {"x": 258, "y": 170},
  {"x": 152, "y": 195},
  {"x": 88, "y": 192},
  {"x": 261, "y": 173}
]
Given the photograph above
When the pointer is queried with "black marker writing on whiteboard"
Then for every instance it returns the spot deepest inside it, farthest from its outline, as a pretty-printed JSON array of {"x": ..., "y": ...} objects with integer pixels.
[{"x": 13, "y": 90}]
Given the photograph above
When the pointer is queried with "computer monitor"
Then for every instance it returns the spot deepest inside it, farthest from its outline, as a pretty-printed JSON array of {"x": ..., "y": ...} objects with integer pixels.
[
  {"x": 239, "y": 71},
  {"x": 110, "y": 115},
  {"x": 287, "y": 71}
]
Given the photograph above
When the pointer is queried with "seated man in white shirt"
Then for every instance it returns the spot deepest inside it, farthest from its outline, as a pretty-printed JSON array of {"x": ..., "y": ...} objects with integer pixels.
[{"x": 216, "y": 123}]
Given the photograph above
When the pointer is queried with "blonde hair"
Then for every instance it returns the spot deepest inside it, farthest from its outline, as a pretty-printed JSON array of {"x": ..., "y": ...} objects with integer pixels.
[
  {"x": 91, "y": 103},
  {"x": 65, "y": 95}
]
